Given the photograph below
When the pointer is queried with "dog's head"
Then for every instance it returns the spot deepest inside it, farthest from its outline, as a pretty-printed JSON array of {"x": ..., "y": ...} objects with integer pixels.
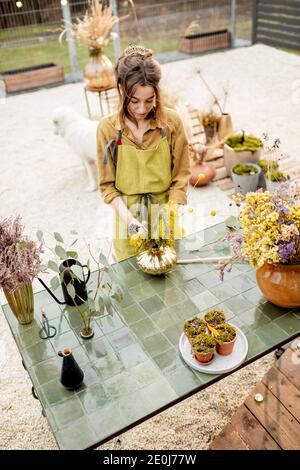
[{"x": 61, "y": 117}]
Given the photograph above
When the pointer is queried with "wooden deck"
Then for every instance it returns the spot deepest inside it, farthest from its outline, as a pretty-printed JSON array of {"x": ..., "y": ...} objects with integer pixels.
[{"x": 274, "y": 423}]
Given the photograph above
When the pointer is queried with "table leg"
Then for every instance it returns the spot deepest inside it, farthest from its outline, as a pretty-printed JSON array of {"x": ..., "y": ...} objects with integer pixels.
[
  {"x": 107, "y": 101},
  {"x": 87, "y": 104},
  {"x": 100, "y": 102}
]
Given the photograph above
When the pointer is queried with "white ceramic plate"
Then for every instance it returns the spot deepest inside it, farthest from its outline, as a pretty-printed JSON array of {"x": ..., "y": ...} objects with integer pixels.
[{"x": 220, "y": 364}]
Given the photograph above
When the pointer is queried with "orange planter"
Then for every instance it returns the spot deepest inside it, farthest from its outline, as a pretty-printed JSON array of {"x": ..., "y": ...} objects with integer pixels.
[
  {"x": 201, "y": 174},
  {"x": 225, "y": 349},
  {"x": 204, "y": 358},
  {"x": 280, "y": 284}
]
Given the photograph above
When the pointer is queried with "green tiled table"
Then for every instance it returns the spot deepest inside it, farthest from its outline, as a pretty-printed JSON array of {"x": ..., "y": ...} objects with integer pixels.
[{"x": 132, "y": 366}]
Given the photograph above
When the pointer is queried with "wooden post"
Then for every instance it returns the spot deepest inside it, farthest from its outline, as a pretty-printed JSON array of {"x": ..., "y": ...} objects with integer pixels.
[{"x": 254, "y": 20}]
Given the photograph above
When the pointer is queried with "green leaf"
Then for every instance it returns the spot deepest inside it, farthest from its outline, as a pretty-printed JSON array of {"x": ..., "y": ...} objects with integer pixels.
[
  {"x": 39, "y": 235},
  {"x": 231, "y": 221},
  {"x": 77, "y": 270},
  {"x": 53, "y": 266},
  {"x": 61, "y": 253},
  {"x": 91, "y": 304},
  {"x": 103, "y": 260},
  {"x": 71, "y": 291},
  {"x": 72, "y": 254},
  {"x": 42, "y": 267},
  {"x": 54, "y": 283},
  {"x": 58, "y": 237},
  {"x": 100, "y": 301},
  {"x": 118, "y": 295}
]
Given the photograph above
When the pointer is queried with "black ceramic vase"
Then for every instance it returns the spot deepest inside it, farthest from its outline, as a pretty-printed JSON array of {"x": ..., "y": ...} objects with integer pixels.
[{"x": 71, "y": 375}]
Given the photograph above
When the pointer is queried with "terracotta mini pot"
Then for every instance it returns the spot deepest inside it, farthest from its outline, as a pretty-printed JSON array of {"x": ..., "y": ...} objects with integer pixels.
[
  {"x": 201, "y": 174},
  {"x": 225, "y": 349},
  {"x": 204, "y": 358},
  {"x": 280, "y": 283}
]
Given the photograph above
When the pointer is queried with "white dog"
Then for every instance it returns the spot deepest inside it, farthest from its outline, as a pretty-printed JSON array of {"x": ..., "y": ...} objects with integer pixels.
[{"x": 80, "y": 133}]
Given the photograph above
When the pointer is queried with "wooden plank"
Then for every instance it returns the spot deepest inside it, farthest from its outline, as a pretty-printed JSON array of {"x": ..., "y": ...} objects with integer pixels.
[
  {"x": 289, "y": 365},
  {"x": 284, "y": 390},
  {"x": 289, "y": 38},
  {"x": 278, "y": 10},
  {"x": 218, "y": 163},
  {"x": 275, "y": 43},
  {"x": 275, "y": 418},
  {"x": 220, "y": 173},
  {"x": 263, "y": 26},
  {"x": 287, "y": 3},
  {"x": 228, "y": 439},
  {"x": 284, "y": 20},
  {"x": 251, "y": 431}
]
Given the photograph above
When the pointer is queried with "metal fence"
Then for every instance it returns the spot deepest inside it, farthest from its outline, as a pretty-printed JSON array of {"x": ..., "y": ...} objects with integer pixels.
[{"x": 30, "y": 28}]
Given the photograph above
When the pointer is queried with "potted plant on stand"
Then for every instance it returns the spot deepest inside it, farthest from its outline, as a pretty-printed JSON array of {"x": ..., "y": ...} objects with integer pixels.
[
  {"x": 241, "y": 148},
  {"x": 245, "y": 177},
  {"x": 20, "y": 263}
]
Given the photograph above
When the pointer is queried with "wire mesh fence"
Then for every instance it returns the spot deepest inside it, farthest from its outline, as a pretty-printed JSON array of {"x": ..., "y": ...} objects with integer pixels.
[{"x": 29, "y": 29}]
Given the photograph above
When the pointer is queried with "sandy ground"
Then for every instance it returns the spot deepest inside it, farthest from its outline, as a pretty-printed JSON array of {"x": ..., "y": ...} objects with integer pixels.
[{"x": 41, "y": 179}]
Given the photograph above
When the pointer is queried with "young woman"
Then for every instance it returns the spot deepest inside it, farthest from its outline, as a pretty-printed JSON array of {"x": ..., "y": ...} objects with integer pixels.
[{"x": 142, "y": 149}]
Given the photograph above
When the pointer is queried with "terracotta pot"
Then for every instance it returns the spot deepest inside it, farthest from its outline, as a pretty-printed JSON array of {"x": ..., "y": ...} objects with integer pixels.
[
  {"x": 204, "y": 358},
  {"x": 280, "y": 284},
  {"x": 201, "y": 174},
  {"x": 226, "y": 348}
]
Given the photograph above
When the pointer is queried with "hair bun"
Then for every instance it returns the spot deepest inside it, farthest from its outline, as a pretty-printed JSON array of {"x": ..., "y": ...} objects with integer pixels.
[{"x": 134, "y": 49}]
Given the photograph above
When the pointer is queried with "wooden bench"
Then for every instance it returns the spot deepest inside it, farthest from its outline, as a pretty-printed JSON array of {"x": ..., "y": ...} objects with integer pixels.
[{"x": 273, "y": 423}]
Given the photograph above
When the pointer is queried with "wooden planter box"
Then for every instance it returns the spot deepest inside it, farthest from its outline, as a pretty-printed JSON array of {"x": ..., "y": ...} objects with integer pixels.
[
  {"x": 32, "y": 77},
  {"x": 205, "y": 41}
]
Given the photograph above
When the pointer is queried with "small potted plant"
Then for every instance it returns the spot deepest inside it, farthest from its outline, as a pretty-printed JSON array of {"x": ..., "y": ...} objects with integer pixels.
[
  {"x": 210, "y": 122},
  {"x": 204, "y": 347},
  {"x": 274, "y": 178},
  {"x": 241, "y": 148},
  {"x": 245, "y": 177},
  {"x": 193, "y": 327},
  {"x": 225, "y": 335},
  {"x": 214, "y": 317}
]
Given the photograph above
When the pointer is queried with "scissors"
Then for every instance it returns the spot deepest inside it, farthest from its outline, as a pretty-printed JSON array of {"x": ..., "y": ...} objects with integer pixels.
[{"x": 45, "y": 331}]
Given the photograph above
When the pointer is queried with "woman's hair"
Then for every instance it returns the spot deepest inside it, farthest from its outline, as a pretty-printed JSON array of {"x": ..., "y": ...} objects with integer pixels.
[{"x": 138, "y": 67}]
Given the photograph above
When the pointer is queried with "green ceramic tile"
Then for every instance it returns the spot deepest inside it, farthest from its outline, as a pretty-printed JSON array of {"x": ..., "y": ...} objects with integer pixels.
[
  {"x": 272, "y": 311},
  {"x": 288, "y": 323},
  {"x": 38, "y": 352},
  {"x": 225, "y": 290},
  {"x": 120, "y": 385},
  {"x": 255, "y": 344},
  {"x": 80, "y": 354},
  {"x": 241, "y": 282},
  {"x": 174, "y": 332},
  {"x": 102, "y": 422},
  {"x": 77, "y": 436},
  {"x": 160, "y": 283},
  {"x": 134, "y": 406},
  {"x": 29, "y": 336},
  {"x": 205, "y": 300},
  {"x": 42, "y": 298},
  {"x": 180, "y": 275},
  {"x": 121, "y": 338},
  {"x": 145, "y": 373},
  {"x": 94, "y": 397},
  {"x": 169, "y": 361},
  {"x": 172, "y": 296},
  {"x": 253, "y": 318},
  {"x": 73, "y": 317},
  {"x": 197, "y": 269},
  {"x": 144, "y": 328},
  {"x": 133, "y": 278},
  {"x": 133, "y": 313},
  {"x": 91, "y": 374},
  {"x": 296, "y": 312},
  {"x": 65, "y": 340},
  {"x": 97, "y": 348},
  {"x": 271, "y": 334},
  {"x": 53, "y": 392},
  {"x": 47, "y": 370},
  {"x": 110, "y": 323},
  {"x": 244, "y": 267},
  {"x": 61, "y": 324},
  {"x": 142, "y": 291},
  {"x": 252, "y": 275},
  {"x": 97, "y": 332},
  {"x": 183, "y": 380},
  {"x": 126, "y": 267},
  {"x": 184, "y": 310},
  {"x": 67, "y": 411},
  {"x": 159, "y": 394},
  {"x": 210, "y": 279},
  {"x": 236, "y": 321},
  {"x": 109, "y": 365},
  {"x": 132, "y": 355},
  {"x": 51, "y": 310},
  {"x": 255, "y": 296},
  {"x": 153, "y": 304},
  {"x": 156, "y": 344},
  {"x": 165, "y": 318},
  {"x": 192, "y": 287},
  {"x": 127, "y": 300},
  {"x": 238, "y": 304}
]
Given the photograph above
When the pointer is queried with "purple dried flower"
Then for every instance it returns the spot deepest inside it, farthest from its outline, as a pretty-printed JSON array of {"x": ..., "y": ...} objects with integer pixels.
[
  {"x": 280, "y": 220},
  {"x": 19, "y": 257},
  {"x": 281, "y": 209},
  {"x": 287, "y": 250}
]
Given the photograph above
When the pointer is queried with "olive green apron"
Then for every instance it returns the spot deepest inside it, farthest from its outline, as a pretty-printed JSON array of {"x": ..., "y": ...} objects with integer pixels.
[{"x": 144, "y": 178}]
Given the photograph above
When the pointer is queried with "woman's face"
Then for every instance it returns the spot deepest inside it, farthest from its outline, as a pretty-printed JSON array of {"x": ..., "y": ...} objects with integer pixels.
[{"x": 142, "y": 102}]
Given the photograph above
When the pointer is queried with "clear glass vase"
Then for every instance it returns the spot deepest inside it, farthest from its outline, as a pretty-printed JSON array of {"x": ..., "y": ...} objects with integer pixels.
[
  {"x": 21, "y": 302},
  {"x": 99, "y": 72}
]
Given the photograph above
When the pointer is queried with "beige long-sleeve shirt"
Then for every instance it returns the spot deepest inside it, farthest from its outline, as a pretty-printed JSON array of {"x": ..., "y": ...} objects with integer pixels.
[{"x": 177, "y": 140}]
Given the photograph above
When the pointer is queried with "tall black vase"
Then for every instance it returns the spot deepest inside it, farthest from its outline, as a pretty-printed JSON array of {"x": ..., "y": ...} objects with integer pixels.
[{"x": 71, "y": 375}]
